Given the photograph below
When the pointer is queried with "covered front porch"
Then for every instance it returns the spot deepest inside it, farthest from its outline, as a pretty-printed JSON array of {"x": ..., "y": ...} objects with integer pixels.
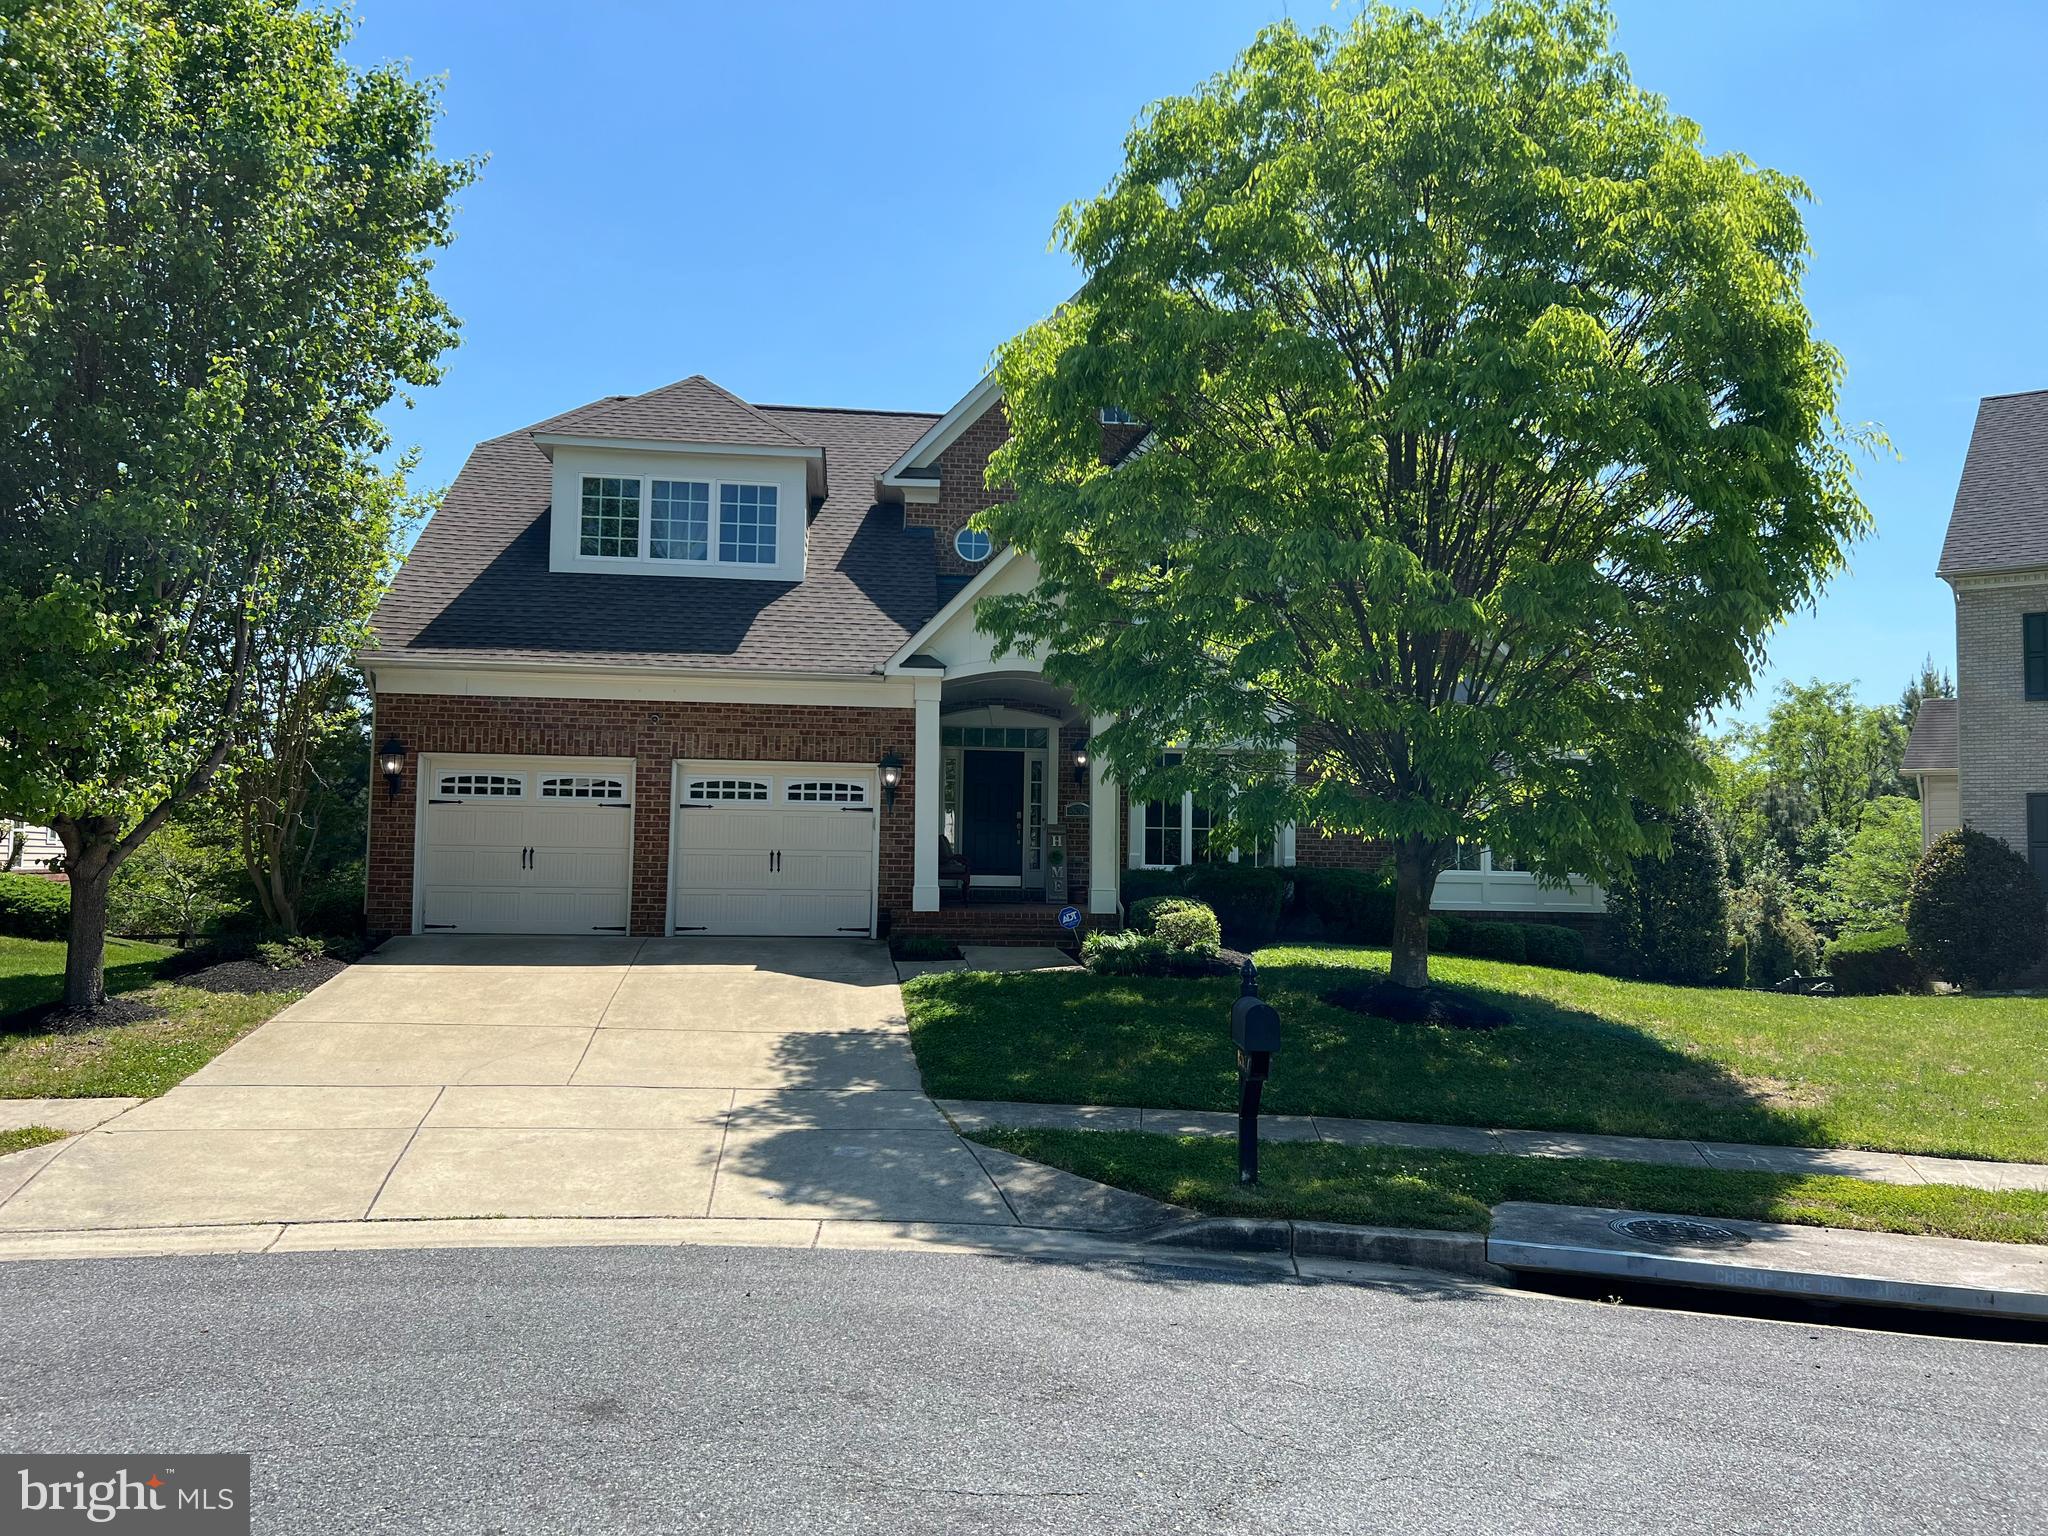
[{"x": 1024, "y": 814}]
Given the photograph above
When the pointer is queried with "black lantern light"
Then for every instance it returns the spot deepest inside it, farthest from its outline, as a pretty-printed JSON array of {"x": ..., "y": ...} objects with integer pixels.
[
  {"x": 1081, "y": 763},
  {"x": 892, "y": 774},
  {"x": 391, "y": 763}
]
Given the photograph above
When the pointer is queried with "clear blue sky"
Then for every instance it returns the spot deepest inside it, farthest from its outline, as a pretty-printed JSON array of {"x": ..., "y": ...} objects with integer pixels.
[{"x": 837, "y": 204}]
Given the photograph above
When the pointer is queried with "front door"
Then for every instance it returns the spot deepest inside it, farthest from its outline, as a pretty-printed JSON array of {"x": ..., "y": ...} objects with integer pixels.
[{"x": 992, "y": 810}]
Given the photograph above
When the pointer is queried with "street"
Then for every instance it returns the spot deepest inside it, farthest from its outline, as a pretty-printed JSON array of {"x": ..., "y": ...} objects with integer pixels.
[{"x": 737, "y": 1389}]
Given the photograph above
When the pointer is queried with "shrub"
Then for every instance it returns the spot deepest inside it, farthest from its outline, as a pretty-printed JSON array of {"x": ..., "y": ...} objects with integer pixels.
[
  {"x": 1446, "y": 934},
  {"x": 32, "y": 907},
  {"x": 1736, "y": 973},
  {"x": 179, "y": 885},
  {"x": 333, "y": 901},
  {"x": 1974, "y": 913},
  {"x": 288, "y": 954},
  {"x": 1777, "y": 939},
  {"x": 1669, "y": 916},
  {"x": 1560, "y": 948},
  {"x": 1141, "y": 954},
  {"x": 1352, "y": 904},
  {"x": 1181, "y": 922},
  {"x": 1865, "y": 964},
  {"x": 1496, "y": 941},
  {"x": 1142, "y": 884},
  {"x": 1245, "y": 897}
]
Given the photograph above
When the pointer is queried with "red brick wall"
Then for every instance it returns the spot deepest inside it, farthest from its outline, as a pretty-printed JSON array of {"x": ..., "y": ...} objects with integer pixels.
[
  {"x": 962, "y": 492},
  {"x": 654, "y": 734}
]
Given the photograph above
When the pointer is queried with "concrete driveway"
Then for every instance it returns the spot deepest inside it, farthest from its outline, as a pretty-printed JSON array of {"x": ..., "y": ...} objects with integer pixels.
[{"x": 543, "y": 1077}]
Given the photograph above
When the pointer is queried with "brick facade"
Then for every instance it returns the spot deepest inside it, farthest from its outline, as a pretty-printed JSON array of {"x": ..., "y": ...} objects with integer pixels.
[
  {"x": 962, "y": 490},
  {"x": 655, "y": 734},
  {"x": 2001, "y": 734}
]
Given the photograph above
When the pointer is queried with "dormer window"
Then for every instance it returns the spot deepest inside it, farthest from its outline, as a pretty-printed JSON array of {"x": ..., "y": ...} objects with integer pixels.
[
  {"x": 626, "y": 517},
  {"x": 611, "y": 516}
]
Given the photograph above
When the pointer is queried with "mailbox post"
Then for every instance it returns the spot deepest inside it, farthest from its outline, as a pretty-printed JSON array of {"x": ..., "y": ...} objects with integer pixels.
[{"x": 1255, "y": 1029}]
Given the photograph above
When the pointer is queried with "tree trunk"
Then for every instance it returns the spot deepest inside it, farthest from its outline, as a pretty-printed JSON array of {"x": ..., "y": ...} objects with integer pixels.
[
  {"x": 1414, "y": 877},
  {"x": 85, "y": 955}
]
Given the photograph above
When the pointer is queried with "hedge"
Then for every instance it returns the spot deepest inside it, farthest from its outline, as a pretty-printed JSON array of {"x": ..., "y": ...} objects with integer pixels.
[
  {"x": 1867, "y": 964},
  {"x": 1353, "y": 904},
  {"x": 32, "y": 907},
  {"x": 1246, "y": 898},
  {"x": 1974, "y": 910}
]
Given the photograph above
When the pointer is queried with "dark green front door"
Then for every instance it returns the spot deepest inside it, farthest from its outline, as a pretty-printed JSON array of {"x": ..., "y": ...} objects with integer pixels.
[{"x": 992, "y": 811}]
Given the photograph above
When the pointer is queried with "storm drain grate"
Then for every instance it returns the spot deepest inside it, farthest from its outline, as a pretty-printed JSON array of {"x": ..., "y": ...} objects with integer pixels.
[{"x": 1672, "y": 1233}]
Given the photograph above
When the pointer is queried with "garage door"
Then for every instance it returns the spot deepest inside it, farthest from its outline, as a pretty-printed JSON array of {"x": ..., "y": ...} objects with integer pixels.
[
  {"x": 774, "y": 848},
  {"x": 525, "y": 845}
]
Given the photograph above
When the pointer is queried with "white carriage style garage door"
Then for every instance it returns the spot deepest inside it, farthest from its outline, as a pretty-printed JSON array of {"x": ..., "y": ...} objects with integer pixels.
[
  {"x": 774, "y": 848},
  {"x": 525, "y": 844}
]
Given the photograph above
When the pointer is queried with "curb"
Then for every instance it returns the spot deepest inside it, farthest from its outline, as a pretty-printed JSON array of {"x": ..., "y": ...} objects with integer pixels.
[{"x": 1462, "y": 1253}]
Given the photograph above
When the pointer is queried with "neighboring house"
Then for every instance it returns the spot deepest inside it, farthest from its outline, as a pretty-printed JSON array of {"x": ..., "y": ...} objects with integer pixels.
[
  {"x": 24, "y": 846},
  {"x": 676, "y": 663},
  {"x": 1982, "y": 757}
]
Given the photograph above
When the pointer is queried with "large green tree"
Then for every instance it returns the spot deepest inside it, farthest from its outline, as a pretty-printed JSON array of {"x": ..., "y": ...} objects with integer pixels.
[
  {"x": 214, "y": 257},
  {"x": 1489, "y": 437}
]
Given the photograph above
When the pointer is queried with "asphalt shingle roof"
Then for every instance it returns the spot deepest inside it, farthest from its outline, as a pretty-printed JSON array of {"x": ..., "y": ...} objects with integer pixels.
[
  {"x": 477, "y": 584},
  {"x": 1932, "y": 746},
  {"x": 2000, "y": 521},
  {"x": 692, "y": 410}
]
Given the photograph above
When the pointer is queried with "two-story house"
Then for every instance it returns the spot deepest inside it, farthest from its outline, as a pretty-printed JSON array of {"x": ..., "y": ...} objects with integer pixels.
[
  {"x": 677, "y": 663},
  {"x": 1981, "y": 758}
]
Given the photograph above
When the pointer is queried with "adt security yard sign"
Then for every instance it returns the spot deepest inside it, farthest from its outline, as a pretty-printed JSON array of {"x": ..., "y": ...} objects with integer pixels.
[{"x": 1070, "y": 918}]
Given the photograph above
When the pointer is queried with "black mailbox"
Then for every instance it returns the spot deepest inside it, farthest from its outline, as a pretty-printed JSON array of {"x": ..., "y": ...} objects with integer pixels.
[{"x": 1254, "y": 1026}]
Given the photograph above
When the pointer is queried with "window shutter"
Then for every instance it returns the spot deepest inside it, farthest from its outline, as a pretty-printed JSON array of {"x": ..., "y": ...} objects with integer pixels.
[
  {"x": 2037, "y": 837},
  {"x": 2035, "y": 631}
]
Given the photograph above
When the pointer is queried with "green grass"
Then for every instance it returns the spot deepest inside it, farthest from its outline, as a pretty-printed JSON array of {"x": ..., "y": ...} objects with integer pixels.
[
  {"x": 22, "y": 1137},
  {"x": 1957, "y": 1076},
  {"x": 32, "y": 970},
  {"x": 1456, "y": 1191},
  {"x": 139, "y": 1060}
]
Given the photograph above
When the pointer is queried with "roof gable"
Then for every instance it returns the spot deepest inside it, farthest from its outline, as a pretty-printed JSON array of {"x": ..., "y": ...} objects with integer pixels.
[
  {"x": 2000, "y": 521},
  {"x": 692, "y": 410}
]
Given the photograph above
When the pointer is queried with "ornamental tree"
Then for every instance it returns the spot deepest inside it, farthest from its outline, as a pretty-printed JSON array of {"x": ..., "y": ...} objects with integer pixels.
[
  {"x": 214, "y": 253},
  {"x": 1488, "y": 439}
]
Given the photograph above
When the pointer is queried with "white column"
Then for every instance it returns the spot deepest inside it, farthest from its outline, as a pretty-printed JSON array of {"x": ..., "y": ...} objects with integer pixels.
[
  {"x": 925, "y": 801},
  {"x": 1105, "y": 830}
]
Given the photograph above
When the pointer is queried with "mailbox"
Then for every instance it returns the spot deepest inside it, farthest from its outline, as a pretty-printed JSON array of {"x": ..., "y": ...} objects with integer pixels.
[{"x": 1254, "y": 1026}]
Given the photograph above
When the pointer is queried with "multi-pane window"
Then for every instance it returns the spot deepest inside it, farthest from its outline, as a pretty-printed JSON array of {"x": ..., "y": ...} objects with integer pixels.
[
  {"x": 1179, "y": 832},
  {"x": 746, "y": 524},
  {"x": 1115, "y": 416},
  {"x": 581, "y": 786},
  {"x": 972, "y": 545},
  {"x": 827, "y": 791},
  {"x": 480, "y": 786},
  {"x": 679, "y": 520},
  {"x": 726, "y": 789},
  {"x": 1163, "y": 834},
  {"x": 611, "y": 515}
]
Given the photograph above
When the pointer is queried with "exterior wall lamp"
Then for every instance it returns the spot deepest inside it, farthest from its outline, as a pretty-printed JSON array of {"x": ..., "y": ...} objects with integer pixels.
[
  {"x": 391, "y": 763},
  {"x": 892, "y": 774},
  {"x": 1081, "y": 763}
]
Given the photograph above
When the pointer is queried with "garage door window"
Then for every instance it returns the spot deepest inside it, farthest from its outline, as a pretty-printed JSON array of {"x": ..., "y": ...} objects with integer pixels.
[
  {"x": 709, "y": 790},
  {"x": 482, "y": 786},
  {"x": 582, "y": 786},
  {"x": 826, "y": 791}
]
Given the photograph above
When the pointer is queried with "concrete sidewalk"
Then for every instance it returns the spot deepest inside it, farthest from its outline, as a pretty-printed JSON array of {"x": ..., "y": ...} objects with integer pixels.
[
  {"x": 1879, "y": 1167},
  {"x": 537, "y": 1078}
]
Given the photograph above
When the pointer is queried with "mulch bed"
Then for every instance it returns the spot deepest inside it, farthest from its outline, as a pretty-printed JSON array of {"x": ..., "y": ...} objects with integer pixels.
[
  {"x": 1446, "y": 1007},
  {"x": 111, "y": 1014},
  {"x": 254, "y": 976}
]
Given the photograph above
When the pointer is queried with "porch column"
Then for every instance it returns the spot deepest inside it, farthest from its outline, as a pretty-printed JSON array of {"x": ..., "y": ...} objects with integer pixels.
[
  {"x": 925, "y": 801},
  {"x": 1105, "y": 830}
]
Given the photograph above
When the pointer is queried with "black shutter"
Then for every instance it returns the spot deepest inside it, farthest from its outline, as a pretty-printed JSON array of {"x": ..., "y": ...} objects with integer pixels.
[
  {"x": 2037, "y": 837},
  {"x": 2034, "y": 631}
]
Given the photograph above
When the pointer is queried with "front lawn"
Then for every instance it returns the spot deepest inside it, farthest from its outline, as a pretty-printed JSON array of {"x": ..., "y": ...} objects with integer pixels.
[
  {"x": 1945, "y": 1075},
  {"x": 1455, "y": 1191},
  {"x": 137, "y": 1060},
  {"x": 32, "y": 970}
]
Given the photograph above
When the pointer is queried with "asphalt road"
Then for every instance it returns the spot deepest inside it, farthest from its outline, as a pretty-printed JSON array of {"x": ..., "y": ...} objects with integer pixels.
[{"x": 713, "y": 1390}]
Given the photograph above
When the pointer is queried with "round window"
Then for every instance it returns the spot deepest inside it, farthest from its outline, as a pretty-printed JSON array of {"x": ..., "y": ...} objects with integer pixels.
[{"x": 971, "y": 545}]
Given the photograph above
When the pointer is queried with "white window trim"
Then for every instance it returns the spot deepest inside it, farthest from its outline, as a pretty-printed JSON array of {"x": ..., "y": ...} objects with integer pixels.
[
  {"x": 646, "y": 559},
  {"x": 1282, "y": 835},
  {"x": 717, "y": 473},
  {"x": 961, "y": 533}
]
